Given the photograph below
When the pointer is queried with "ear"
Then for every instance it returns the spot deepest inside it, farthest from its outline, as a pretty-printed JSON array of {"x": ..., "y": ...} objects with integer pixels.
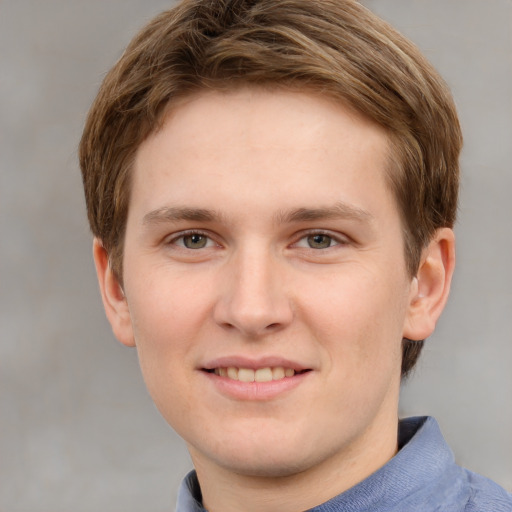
[
  {"x": 114, "y": 301},
  {"x": 431, "y": 286}
]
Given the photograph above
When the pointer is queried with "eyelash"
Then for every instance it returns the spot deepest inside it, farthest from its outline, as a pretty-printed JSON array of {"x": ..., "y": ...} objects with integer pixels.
[{"x": 335, "y": 240}]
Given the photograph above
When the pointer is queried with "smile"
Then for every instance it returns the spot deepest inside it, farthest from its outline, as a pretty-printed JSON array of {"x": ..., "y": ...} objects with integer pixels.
[
  {"x": 244, "y": 379},
  {"x": 266, "y": 374}
]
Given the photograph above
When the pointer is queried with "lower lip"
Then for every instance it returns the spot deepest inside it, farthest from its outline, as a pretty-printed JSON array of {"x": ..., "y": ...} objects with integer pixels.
[{"x": 255, "y": 391}]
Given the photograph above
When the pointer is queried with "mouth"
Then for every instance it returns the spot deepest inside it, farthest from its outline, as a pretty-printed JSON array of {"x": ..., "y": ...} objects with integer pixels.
[{"x": 265, "y": 374}]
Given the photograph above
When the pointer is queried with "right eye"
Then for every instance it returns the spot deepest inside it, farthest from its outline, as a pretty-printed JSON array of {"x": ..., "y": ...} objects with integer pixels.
[{"x": 193, "y": 241}]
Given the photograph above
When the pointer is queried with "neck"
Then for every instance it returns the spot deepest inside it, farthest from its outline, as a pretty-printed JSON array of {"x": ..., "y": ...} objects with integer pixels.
[{"x": 226, "y": 491}]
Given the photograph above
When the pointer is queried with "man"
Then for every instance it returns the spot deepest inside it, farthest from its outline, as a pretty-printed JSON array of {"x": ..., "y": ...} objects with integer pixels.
[{"x": 272, "y": 187}]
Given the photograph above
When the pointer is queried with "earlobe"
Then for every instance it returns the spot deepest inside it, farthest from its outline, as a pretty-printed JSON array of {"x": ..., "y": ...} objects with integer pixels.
[
  {"x": 430, "y": 291},
  {"x": 114, "y": 301}
]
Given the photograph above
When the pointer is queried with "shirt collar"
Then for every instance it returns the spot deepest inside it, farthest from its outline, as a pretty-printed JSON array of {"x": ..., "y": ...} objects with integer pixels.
[{"x": 189, "y": 495}]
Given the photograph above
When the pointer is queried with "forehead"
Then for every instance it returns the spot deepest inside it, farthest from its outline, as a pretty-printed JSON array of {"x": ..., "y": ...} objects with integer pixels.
[
  {"x": 282, "y": 145},
  {"x": 256, "y": 112}
]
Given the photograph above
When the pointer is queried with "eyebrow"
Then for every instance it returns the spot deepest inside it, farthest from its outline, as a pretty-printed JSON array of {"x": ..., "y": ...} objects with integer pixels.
[
  {"x": 339, "y": 210},
  {"x": 173, "y": 214}
]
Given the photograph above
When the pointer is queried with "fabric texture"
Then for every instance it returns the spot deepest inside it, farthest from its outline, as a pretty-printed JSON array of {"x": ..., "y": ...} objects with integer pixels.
[{"x": 423, "y": 476}]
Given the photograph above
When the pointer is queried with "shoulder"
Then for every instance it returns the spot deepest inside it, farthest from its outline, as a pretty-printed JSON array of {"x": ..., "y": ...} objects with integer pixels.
[
  {"x": 486, "y": 495},
  {"x": 441, "y": 484}
]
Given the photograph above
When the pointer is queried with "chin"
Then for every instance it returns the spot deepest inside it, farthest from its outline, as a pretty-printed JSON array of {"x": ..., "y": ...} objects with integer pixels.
[
  {"x": 265, "y": 465},
  {"x": 261, "y": 457}
]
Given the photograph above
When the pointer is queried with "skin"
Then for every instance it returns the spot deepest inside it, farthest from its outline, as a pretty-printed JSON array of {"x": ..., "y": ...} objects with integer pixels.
[{"x": 298, "y": 255}]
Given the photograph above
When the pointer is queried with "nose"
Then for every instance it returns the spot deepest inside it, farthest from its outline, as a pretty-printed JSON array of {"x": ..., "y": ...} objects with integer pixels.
[{"x": 253, "y": 297}]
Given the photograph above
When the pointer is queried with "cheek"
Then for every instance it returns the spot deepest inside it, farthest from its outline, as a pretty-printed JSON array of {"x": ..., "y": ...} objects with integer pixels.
[
  {"x": 360, "y": 328},
  {"x": 358, "y": 317},
  {"x": 166, "y": 306},
  {"x": 163, "y": 338},
  {"x": 168, "y": 313}
]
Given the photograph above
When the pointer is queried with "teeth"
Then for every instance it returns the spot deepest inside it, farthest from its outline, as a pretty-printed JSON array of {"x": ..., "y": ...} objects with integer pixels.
[
  {"x": 245, "y": 375},
  {"x": 232, "y": 373},
  {"x": 263, "y": 375},
  {"x": 260, "y": 375},
  {"x": 278, "y": 373}
]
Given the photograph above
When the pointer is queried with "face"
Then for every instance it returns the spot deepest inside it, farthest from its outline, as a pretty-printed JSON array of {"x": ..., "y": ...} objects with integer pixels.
[{"x": 264, "y": 280}]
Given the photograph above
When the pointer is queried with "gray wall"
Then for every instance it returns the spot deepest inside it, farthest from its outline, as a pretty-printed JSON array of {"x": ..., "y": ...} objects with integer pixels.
[{"x": 78, "y": 430}]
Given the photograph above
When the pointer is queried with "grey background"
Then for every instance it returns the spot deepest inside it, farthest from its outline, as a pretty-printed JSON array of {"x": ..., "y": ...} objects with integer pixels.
[{"x": 78, "y": 431}]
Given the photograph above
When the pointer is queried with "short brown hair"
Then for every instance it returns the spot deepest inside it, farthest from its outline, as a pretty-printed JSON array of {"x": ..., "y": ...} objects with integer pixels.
[{"x": 332, "y": 47}]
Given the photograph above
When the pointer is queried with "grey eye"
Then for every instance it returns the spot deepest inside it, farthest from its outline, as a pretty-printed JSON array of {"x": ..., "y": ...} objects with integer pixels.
[
  {"x": 195, "y": 241},
  {"x": 319, "y": 241}
]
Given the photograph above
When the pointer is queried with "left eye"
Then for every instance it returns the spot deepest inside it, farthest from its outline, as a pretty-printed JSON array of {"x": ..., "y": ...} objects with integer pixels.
[
  {"x": 194, "y": 241},
  {"x": 317, "y": 241}
]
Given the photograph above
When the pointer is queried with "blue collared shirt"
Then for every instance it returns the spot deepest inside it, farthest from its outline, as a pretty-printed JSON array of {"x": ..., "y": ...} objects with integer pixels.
[{"x": 421, "y": 477}]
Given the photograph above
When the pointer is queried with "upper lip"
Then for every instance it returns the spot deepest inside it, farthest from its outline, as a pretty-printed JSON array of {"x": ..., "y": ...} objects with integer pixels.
[{"x": 254, "y": 363}]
